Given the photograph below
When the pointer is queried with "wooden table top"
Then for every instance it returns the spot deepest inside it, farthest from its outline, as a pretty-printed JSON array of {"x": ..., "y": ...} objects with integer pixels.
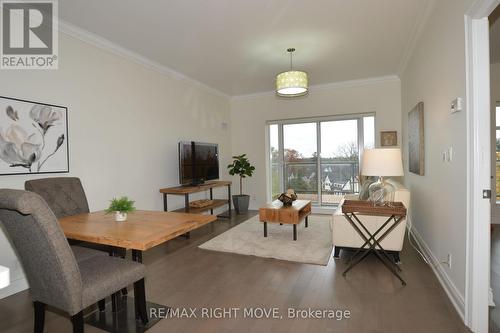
[
  {"x": 276, "y": 212},
  {"x": 194, "y": 189},
  {"x": 142, "y": 230},
  {"x": 367, "y": 208},
  {"x": 296, "y": 206}
]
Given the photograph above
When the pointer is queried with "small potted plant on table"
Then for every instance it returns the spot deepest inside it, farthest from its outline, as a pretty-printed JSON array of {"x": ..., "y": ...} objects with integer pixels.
[
  {"x": 241, "y": 166},
  {"x": 121, "y": 207}
]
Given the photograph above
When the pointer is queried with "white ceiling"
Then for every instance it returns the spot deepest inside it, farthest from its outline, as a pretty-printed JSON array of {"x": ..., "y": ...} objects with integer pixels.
[{"x": 237, "y": 46}]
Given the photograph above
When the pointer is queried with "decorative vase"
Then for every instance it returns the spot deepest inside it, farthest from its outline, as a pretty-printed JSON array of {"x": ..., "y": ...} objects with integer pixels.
[
  {"x": 381, "y": 192},
  {"x": 120, "y": 216}
]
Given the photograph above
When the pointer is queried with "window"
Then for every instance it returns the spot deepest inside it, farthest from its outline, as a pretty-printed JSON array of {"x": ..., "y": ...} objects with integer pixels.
[{"x": 318, "y": 158}]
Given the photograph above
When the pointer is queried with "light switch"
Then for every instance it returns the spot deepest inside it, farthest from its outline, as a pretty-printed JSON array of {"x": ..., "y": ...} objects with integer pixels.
[{"x": 457, "y": 105}]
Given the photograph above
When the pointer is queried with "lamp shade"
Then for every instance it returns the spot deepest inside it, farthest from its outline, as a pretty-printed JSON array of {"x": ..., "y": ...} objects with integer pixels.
[
  {"x": 4, "y": 277},
  {"x": 292, "y": 83},
  {"x": 382, "y": 162}
]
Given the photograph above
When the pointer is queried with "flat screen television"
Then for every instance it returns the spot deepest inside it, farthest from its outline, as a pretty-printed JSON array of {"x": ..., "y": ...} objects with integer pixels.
[{"x": 198, "y": 162}]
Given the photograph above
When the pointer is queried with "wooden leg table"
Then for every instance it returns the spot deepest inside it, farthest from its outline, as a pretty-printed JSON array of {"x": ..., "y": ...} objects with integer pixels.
[
  {"x": 275, "y": 212},
  {"x": 395, "y": 213},
  {"x": 142, "y": 231}
]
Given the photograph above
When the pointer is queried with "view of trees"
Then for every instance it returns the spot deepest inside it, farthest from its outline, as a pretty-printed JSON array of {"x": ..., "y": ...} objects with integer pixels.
[{"x": 301, "y": 172}]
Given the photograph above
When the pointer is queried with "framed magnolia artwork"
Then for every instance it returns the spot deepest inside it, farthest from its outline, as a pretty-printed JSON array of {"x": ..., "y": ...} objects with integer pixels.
[{"x": 33, "y": 137}]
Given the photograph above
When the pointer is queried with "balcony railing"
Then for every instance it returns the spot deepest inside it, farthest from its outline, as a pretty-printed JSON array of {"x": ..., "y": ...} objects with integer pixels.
[{"x": 337, "y": 178}]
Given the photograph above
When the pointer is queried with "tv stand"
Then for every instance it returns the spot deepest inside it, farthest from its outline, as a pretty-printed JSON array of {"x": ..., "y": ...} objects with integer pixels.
[{"x": 187, "y": 190}]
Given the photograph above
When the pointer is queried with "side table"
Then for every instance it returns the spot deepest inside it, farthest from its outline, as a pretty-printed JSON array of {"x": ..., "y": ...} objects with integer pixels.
[{"x": 395, "y": 212}]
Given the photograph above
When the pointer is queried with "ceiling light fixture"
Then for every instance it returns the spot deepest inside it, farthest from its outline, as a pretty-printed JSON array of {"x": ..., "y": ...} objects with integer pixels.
[{"x": 291, "y": 83}]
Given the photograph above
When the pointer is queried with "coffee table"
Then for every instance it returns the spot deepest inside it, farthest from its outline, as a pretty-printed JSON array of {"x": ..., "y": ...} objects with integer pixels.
[{"x": 275, "y": 212}]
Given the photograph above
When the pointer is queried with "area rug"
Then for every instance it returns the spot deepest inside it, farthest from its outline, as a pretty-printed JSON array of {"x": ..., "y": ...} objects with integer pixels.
[{"x": 313, "y": 244}]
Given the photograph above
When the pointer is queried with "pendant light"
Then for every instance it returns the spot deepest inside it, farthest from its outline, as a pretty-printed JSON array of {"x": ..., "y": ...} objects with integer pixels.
[{"x": 291, "y": 83}]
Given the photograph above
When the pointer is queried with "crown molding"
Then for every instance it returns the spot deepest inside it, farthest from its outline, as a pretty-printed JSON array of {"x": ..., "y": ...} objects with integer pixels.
[
  {"x": 105, "y": 44},
  {"x": 481, "y": 8},
  {"x": 415, "y": 35},
  {"x": 326, "y": 86}
]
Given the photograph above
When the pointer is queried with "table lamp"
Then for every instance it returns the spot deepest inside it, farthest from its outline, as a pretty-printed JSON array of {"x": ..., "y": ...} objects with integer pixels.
[
  {"x": 4, "y": 277},
  {"x": 382, "y": 162}
]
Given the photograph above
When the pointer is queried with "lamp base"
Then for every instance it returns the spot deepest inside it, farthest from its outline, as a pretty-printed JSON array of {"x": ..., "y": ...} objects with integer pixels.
[{"x": 381, "y": 193}]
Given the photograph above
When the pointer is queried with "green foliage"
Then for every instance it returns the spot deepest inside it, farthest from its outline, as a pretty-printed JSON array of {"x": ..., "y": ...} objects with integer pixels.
[
  {"x": 123, "y": 205},
  {"x": 241, "y": 166}
]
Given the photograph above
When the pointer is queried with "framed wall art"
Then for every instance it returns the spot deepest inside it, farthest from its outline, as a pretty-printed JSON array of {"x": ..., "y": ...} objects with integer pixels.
[
  {"x": 416, "y": 149},
  {"x": 33, "y": 137},
  {"x": 388, "y": 138}
]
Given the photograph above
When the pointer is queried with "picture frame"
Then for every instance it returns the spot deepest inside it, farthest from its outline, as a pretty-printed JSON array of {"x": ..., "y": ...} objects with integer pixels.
[
  {"x": 33, "y": 137},
  {"x": 416, "y": 149},
  {"x": 388, "y": 138}
]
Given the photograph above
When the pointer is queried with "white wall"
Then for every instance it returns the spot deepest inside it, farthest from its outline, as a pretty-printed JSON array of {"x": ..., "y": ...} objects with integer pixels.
[
  {"x": 249, "y": 115},
  {"x": 436, "y": 75},
  {"x": 124, "y": 125}
]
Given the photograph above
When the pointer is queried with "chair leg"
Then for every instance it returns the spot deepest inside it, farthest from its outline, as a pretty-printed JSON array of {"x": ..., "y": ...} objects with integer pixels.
[
  {"x": 39, "y": 316},
  {"x": 123, "y": 255},
  {"x": 140, "y": 301},
  {"x": 102, "y": 305},
  {"x": 397, "y": 260},
  {"x": 77, "y": 321},
  {"x": 336, "y": 252}
]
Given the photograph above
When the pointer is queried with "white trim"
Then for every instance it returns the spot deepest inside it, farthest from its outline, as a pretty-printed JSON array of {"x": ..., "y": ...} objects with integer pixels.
[
  {"x": 449, "y": 287},
  {"x": 105, "y": 44},
  {"x": 417, "y": 31},
  {"x": 345, "y": 116},
  {"x": 15, "y": 286},
  {"x": 478, "y": 164},
  {"x": 324, "y": 86}
]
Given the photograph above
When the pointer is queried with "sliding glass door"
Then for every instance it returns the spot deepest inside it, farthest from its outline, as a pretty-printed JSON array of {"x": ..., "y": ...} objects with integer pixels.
[
  {"x": 301, "y": 158},
  {"x": 318, "y": 158},
  {"x": 339, "y": 159}
]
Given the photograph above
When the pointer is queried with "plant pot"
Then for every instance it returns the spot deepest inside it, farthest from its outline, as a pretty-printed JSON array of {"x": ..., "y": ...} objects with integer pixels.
[
  {"x": 120, "y": 216},
  {"x": 240, "y": 203}
]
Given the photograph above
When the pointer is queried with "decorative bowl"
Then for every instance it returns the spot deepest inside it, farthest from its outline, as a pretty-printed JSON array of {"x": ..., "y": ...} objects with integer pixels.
[{"x": 288, "y": 198}]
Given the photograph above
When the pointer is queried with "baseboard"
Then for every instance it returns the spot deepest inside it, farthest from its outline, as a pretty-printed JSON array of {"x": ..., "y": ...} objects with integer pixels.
[
  {"x": 449, "y": 287},
  {"x": 14, "y": 287}
]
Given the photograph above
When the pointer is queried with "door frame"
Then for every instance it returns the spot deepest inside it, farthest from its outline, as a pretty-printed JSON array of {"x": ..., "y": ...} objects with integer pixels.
[{"x": 478, "y": 163}]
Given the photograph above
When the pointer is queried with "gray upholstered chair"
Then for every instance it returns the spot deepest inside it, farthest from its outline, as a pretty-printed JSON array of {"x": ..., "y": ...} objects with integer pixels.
[
  {"x": 66, "y": 197},
  {"x": 54, "y": 275}
]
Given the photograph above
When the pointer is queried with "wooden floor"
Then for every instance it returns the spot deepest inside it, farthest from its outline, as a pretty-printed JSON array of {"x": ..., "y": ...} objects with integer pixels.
[
  {"x": 181, "y": 275},
  {"x": 495, "y": 279}
]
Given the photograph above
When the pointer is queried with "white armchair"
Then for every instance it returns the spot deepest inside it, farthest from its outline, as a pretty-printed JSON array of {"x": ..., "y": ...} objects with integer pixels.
[{"x": 345, "y": 237}]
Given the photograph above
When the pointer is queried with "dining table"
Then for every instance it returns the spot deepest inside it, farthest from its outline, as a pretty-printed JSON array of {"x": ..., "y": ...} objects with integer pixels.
[{"x": 143, "y": 230}]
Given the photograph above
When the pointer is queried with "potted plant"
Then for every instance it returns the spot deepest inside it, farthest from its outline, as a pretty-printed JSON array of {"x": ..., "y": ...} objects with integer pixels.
[
  {"x": 121, "y": 207},
  {"x": 241, "y": 167}
]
